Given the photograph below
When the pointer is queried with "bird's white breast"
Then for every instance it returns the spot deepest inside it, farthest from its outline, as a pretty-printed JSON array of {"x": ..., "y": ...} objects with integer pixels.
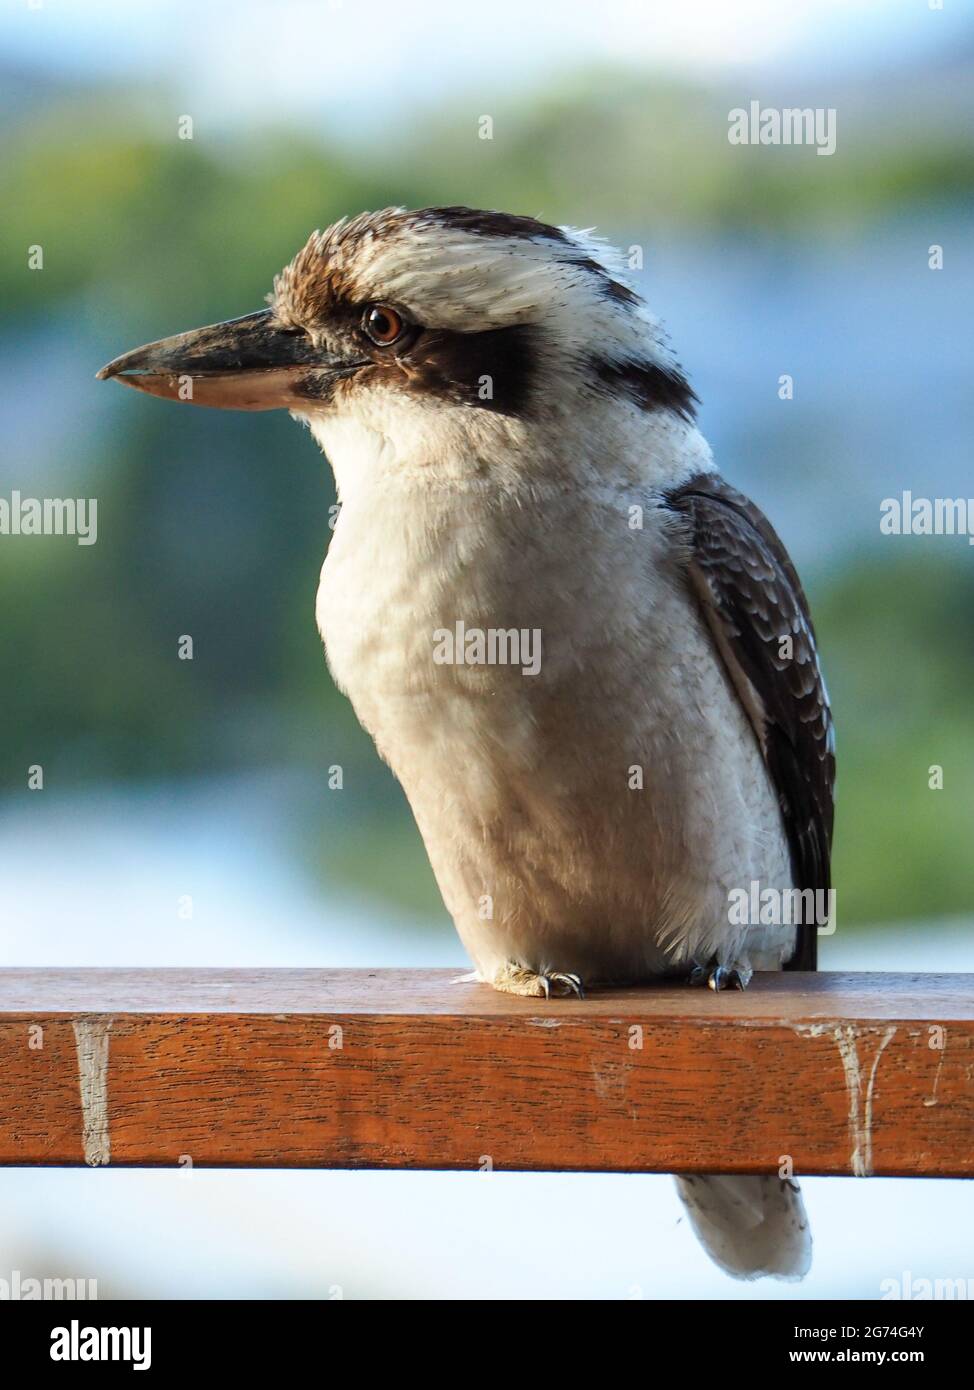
[{"x": 526, "y": 787}]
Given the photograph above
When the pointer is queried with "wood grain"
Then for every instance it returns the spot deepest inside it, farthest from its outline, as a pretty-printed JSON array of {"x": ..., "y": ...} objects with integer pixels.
[{"x": 863, "y": 1074}]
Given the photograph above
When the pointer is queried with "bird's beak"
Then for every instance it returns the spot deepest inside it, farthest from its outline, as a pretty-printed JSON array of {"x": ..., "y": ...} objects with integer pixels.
[{"x": 248, "y": 363}]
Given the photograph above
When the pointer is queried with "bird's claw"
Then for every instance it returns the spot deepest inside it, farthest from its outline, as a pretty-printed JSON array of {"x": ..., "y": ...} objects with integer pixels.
[
  {"x": 514, "y": 979},
  {"x": 718, "y": 977},
  {"x": 570, "y": 984}
]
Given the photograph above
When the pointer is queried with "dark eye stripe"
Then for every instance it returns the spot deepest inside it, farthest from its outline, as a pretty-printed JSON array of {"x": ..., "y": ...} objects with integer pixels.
[
  {"x": 493, "y": 370},
  {"x": 651, "y": 386}
]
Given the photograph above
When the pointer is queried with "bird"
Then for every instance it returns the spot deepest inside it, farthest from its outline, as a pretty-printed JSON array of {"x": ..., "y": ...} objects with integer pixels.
[{"x": 586, "y": 656}]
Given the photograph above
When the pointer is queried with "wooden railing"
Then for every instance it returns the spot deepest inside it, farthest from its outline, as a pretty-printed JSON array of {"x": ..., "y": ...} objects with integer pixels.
[{"x": 829, "y": 1073}]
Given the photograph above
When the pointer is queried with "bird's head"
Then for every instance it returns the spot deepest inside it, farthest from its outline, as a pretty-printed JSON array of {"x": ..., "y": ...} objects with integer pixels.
[{"x": 395, "y": 314}]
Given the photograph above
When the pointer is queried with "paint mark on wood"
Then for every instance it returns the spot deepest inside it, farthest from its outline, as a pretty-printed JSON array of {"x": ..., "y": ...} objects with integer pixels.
[
  {"x": 867, "y": 1133},
  {"x": 91, "y": 1040},
  {"x": 932, "y": 1098},
  {"x": 848, "y": 1038},
  {"x": 611, "y": 1079}
]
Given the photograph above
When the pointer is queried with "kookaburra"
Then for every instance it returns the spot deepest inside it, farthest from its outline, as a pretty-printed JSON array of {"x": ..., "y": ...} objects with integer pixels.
[{"x": 517, "y": 465}]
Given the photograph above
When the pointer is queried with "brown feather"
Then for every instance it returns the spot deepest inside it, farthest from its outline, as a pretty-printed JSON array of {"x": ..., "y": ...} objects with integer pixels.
[{"x": 752, "y": 598}]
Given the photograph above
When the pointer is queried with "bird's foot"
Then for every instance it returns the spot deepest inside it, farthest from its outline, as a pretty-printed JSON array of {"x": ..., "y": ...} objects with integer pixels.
[
  {"x": 716, "y": 977},
  {"x": 514, "y": 979}
]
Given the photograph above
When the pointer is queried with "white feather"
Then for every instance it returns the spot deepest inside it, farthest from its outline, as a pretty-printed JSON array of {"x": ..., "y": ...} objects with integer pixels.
[{"x": 750, "y": 1226}]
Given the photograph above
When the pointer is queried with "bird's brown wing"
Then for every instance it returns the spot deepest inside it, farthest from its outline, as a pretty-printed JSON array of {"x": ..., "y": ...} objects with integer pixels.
[{"x": 753, "y": 603}]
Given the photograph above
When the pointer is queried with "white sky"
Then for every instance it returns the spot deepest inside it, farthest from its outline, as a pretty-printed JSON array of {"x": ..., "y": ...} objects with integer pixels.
[{"x": 357, "y": 60}]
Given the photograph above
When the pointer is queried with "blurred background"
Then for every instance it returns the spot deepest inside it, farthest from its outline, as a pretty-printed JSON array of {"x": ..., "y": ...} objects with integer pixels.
[{"x": 186, "y": 816}]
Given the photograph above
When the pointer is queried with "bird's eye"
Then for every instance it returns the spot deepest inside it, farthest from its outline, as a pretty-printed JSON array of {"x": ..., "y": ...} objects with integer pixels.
[{"x": 382, "y": 324}]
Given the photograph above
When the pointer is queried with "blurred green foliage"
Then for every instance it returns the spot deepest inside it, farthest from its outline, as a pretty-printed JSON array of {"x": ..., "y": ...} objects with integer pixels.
[
  {"x": 215, "y": 525},
  {"x": 898, "y": 643}
]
